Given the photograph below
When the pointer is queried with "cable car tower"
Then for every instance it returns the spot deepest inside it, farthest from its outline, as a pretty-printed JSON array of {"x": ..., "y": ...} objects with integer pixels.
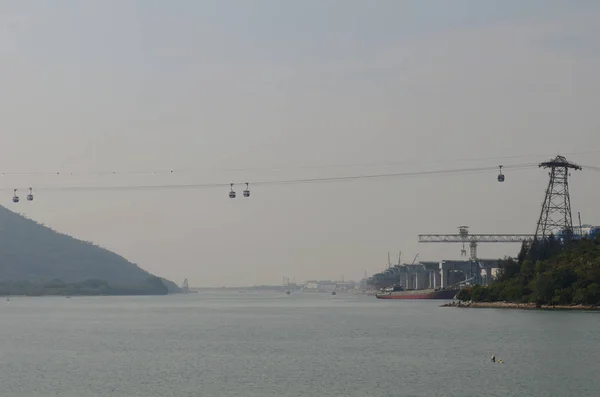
[{"x": 555, "y": 217}]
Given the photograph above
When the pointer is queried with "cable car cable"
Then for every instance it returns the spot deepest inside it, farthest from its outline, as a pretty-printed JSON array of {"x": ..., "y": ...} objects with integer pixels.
[
  {"x": 287, "y": 181},
  {"x": 590, "y": 167},
  {"x": 190, "y": 170}
]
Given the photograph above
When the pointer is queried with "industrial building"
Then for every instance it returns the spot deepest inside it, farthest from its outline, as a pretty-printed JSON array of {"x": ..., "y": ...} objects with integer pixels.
[{"x": 443, "y": 274}]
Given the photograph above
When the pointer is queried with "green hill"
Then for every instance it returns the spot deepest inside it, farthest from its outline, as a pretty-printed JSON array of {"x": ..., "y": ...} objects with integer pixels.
[
  {"x": 40, "y": 260},
  {"x": 549, "y": 272}
]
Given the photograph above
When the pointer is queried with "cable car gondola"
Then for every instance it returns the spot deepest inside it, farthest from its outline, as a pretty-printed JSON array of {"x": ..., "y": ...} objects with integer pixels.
[
  {"x": 30, "y": 195},
  {"x": 247, "y": 191},
  {"x": 232, "y": 193},
  {"x": 15, "y": 197},
  {"x": 500, "y": 175}
]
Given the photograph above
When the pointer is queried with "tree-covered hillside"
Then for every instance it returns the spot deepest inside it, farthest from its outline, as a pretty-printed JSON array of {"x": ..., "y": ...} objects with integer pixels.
[
  {"x": 33, "y": 253},
  {"x": 547, "y": 272}
]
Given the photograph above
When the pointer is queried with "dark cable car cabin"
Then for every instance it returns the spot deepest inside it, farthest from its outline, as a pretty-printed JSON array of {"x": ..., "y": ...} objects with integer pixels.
[
  {"x": 232, "y": 193},
  {"x": 500, "y": 175},
  {"x": 247, "y": 191},
  {"x": 30, "y": 195},
  {"x": 15, "y": 197}
]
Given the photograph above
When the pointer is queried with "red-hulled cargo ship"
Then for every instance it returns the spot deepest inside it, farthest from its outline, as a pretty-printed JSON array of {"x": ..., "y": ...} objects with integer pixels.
[{"x": 400, "y": 293}]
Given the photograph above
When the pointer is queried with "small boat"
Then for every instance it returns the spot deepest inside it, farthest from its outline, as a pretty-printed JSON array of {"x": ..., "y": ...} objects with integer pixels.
[
  {"x": 287, "y": 292},
  {"x": 333, "y": 293}
]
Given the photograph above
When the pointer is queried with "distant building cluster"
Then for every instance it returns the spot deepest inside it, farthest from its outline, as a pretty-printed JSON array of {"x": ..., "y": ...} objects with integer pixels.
[{"x": 328, "y": 286}]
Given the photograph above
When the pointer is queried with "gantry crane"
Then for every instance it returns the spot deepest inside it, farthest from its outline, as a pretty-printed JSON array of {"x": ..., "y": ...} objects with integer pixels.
[{"x": 464, "y": 237}]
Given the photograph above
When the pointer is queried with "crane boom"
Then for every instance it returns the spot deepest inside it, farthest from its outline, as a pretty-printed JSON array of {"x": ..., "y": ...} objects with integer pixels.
[{"x": 473, "y": 239}]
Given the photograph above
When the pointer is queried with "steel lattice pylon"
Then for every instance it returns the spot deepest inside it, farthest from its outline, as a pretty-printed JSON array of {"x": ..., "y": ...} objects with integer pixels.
[{"x": 555, "y": 217}]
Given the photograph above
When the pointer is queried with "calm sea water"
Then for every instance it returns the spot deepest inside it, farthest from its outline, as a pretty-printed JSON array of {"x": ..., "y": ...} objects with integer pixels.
[{"x": 267, "y": 344}]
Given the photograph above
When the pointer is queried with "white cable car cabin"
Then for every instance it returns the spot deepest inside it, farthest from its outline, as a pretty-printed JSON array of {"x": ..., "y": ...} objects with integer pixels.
[
  {"x": 232, "y": 193},
  {"x": 30, "y": 195},
  {"x": 500, "y": 175},
  {"x": 247, "y": 191},
  {"x": 15, "y": 197}
]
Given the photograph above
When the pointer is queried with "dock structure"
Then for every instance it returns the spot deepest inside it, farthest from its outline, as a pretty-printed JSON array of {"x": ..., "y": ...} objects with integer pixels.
[{"x": 436, "y": 275}]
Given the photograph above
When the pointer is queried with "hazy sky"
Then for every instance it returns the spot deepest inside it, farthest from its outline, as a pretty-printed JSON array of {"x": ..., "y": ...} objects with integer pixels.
[{"x": 229, "y": 91}]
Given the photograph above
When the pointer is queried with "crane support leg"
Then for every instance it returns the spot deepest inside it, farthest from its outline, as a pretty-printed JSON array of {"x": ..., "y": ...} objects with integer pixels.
[{"x": 473, "y": 247}]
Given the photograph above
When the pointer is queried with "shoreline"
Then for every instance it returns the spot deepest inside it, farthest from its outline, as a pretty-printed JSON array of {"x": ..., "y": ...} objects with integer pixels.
[{"x": 522, "y": 306}]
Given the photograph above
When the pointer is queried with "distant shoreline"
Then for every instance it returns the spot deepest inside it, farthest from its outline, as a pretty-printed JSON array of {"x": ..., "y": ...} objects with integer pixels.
[
  {"x": 22, "y": 295},
  {"x": 522, "y": 306}
]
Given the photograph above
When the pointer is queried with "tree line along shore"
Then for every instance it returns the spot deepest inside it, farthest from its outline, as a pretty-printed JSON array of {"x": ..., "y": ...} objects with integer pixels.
[
  {"x": 151, "y": 286},
  {"x": 547, "y": 274}
]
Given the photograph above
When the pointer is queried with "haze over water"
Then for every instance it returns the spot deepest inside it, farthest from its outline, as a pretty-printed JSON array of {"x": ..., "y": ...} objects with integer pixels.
[
  {"x": 119, "y": 93},
  {"x": 269, "y": 344}
]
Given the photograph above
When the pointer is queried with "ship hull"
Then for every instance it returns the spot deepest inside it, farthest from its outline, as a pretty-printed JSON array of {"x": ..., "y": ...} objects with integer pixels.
[{"x": 419, "y": 294}]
